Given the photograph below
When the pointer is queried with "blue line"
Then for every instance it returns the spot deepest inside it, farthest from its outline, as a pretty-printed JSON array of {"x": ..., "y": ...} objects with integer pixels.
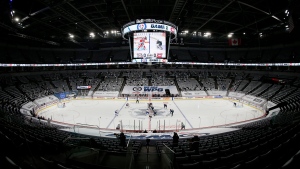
[
  {"x": 183, "y": 114},
  {"x": 115, "y": 115}
]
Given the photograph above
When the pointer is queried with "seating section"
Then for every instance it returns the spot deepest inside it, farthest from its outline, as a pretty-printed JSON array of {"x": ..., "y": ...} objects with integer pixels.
[
  {"x": 135, "y": 79},
  {"x": 202, "y": 56},
  {"x": 236, "y": 56},
  {"x": 36, "y": 90},
  {"x": 285, "y": 92},
  {"x": 297, "y": 82},
  {"x": 120, "y": 55},
  {"x": 4, "y": 96},
  {"x": 18, "y": 97},
  {"x": 271, "y": 91},
  {"x": 223, "y": 84},
  {"x": 284, "y": 55},
  {"x": 35, "y": 78},
  {"x": 16, "y": 55},
  {"x": 60, "y": 86},
  {"x": 190, "y": 84},
  {"x": 47, "y": 57},
  {"x": 217, "y": 56},
  {"x": 64, "y": 56},
  {"x": 3, "y": 55},
  {"x": 261, "y": 89},
  {"x": 99, "y": 56},
  {"x": 251, "y": 86},
  {"x": 160, "y": 78},
  {"x": 269, "y": 55},
  {"x": 246, "y": 148},
  {"x": 264, "y": 143},
  {"x": 182, "y": 55},
  {"x": 208, "y": 84},
  {"x": 82, "y": 56}
]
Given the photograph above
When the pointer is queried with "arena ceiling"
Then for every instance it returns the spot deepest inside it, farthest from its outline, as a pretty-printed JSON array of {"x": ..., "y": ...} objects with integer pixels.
[{"x": 56, "y": 20}]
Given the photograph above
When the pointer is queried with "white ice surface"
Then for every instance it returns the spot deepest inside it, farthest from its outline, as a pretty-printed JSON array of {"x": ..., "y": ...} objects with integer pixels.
[{"x": 193, "y": 113}]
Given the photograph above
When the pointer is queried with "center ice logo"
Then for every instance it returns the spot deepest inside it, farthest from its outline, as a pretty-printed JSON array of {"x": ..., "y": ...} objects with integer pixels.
[{"x": 152, "y": 88}]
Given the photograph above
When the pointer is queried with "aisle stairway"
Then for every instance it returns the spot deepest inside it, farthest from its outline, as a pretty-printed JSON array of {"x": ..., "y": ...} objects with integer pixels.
[
  {"x": 148, "y": 159},
  {"x": 230, "y": 86},
  {"x": 177, "y": 87},
  {"x": 122, "y": 87}
]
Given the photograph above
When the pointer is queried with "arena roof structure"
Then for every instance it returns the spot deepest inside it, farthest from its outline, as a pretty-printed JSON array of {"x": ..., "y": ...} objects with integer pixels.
[{"x": 209, "y": 23}]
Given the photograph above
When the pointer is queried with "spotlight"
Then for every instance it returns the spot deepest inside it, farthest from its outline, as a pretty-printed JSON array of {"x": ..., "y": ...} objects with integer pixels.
[
  {"x": 17, "y": 19},
  {"x": 92, "y": 34},
  {"x": 207, "y": 34},
  {"x": 71, "y": 35}
]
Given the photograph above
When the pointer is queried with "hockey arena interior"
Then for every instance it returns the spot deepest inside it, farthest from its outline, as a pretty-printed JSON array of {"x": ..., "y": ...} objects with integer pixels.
[{"x": 149, "y": 84}]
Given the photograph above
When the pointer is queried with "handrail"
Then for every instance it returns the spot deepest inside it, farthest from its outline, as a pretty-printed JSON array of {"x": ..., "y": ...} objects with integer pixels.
[
  {"x": 168, "y": 148},
  {"x": 74, "y": 138},
  {"x": 129, "y": 140}
]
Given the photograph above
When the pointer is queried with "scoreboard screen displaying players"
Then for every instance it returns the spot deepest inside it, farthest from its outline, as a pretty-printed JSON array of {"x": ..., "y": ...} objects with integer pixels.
[{"x": 149, "y": 46}]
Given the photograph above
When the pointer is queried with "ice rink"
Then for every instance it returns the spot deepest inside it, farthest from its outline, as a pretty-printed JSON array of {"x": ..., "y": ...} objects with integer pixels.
[{"x": 193, "y": 114}]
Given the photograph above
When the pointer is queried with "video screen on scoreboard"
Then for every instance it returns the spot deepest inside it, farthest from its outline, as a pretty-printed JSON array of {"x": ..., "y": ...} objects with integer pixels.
[{"x": 149, "y": 46}]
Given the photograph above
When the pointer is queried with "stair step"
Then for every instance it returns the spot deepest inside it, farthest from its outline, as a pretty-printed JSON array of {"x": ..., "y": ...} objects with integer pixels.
[{"x": 150, "y": 160}]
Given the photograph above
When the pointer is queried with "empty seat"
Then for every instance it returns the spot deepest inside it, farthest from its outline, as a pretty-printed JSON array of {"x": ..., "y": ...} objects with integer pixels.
[
  {"x": 210, "y": 164},
  {"x": 253, "y": 163},
  {"x": 195, "y": 165},
  {"x": 197, "y": 158},
  {"x": 227, "y": 160}
]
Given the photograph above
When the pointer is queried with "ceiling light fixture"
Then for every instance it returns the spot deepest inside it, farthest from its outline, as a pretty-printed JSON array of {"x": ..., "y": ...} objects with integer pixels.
[
  {"x": 230, "y": 35},
  {"x": 92, "y": 34},
  {"x": 71, "y": 35}
]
